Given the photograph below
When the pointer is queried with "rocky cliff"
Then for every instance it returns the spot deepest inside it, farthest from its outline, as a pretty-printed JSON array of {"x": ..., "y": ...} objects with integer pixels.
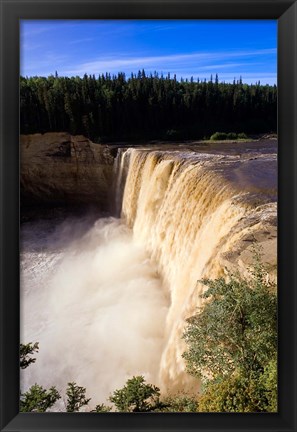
[{"x": 58, "y": 168}]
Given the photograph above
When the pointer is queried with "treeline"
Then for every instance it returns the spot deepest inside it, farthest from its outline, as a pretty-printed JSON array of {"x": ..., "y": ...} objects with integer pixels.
[{"x": 145, "y": 106}]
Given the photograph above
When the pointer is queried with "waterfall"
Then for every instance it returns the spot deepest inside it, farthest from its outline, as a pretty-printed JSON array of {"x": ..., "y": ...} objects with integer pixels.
[
  {"x": 120, "y": 168},
  {"x": 108, "y": 298},
  {"x": 187, "y": 216}
]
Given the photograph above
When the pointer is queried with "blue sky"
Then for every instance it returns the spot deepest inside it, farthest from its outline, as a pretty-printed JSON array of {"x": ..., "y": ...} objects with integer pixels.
[{"x": 186, "y": 48}]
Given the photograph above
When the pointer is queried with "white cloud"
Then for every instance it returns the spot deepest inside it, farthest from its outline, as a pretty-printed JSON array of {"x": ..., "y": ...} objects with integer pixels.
[
  {"x": 27, "y": 32},
  {"x": 227, "y": 66},
  {"x": 116, "y": 64},
  {"x": 47, "y": 65}
]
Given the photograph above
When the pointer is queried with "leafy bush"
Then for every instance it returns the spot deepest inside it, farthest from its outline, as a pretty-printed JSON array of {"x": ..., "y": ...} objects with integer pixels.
[
  {"x": 235, "y": 329},
  {"x": 232, "y": 341},
  {"x": 242, "y": 135},
  {"x": 231, "y": 136},
  {"x": 26, "y": 350},
  {"x": 222, "y": 136},
  {"x": 76, "y": 397},
  {"x": 218, "y": 136},
  {"x": 269, "y": 382},
  {"x": 102, "y": 408},
  {"x": 38, "y": 399},
  {"x": 136, "y": 396},
  {"x": 179, "y": 402},
  {"x": 238, "y": 393}
]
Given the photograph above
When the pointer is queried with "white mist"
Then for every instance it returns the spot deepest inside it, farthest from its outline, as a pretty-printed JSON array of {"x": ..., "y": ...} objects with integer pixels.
[{"x": 93, "y": 300}]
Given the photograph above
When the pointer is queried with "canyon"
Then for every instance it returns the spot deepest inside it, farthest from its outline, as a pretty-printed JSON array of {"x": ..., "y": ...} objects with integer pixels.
[{"x": 164, "y": 216}]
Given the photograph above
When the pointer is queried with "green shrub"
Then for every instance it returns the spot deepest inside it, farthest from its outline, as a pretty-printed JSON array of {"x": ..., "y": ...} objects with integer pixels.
[
  {"x": 237, "y": 393},
  {"x": 38, "y": 399},
  {"x": 102, "y": 408},
  {"x": 76, "y": 397},
  {"x": 136, "y": 396},
  {"x": 26, "y": 350},
  {"x": 218, "y": 136},
  {"x": 235, "y": 329},
  {"x": 242, "y": 135},
  {"x": 269, "y": 382},
  {"x": 232, "y": 344},
  {"x": 180, "y": 402},
  {"x": 222, "y": 136}
]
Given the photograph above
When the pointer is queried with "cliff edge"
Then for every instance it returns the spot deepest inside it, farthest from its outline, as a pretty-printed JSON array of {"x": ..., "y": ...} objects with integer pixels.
[{"x": 58, "y": 168}]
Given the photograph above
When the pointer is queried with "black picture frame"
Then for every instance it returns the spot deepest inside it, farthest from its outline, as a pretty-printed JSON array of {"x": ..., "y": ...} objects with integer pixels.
[{"x": 285, "y": 11}]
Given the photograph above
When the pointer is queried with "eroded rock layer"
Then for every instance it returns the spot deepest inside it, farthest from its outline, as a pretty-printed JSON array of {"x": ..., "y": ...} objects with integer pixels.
[{"x": 58, "y": 168}]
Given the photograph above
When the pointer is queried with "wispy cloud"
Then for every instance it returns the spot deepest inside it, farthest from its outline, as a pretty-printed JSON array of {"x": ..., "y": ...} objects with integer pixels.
[
  {"x": 227, "y": 65},
  {"x": 78, "y": 41},
  {"x": 29, "y": 47},
  {"x": 32, "y": 28},
  {"x": 49, "y": 63},
  {"x": 33, "y": 31},
  {"x": 115, "y": 64}
]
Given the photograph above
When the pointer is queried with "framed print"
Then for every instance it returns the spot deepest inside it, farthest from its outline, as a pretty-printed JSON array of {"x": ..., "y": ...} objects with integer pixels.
[{"x": 148, "y": 207}]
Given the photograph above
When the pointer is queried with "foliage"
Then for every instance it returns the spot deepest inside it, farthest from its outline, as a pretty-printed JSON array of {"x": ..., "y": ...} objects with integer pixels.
[
  {"x": 218, "y": 136},
  {"x": 102, "y": 408},
  {"x": 136, "y": 396},
  {"x": 237, "y": 393},
  {"x": 232, "y": 343},
  {"x": 231, "y": 136},
  {"x": 228, "y": 395},
  {"x": 179, "y": 402},
  {"x": 222, "y": 136},
  {"x": 76, "y": 397},
  {"x": 25, "y": 351},
  {"x": 144, "y": 106},
  {"x": 236, "y": 329},
  {"x": 38, "y": 399},
  {"x": 242, "y": 135},
  {"x": 269, "y": 382}
]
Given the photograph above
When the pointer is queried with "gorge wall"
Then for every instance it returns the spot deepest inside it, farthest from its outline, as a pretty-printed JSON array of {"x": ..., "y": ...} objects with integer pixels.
[{"x": 58, "y": 168}]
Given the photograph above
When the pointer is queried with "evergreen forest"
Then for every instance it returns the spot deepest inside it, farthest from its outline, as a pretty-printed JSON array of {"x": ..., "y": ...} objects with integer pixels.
[{"x": 142, "y": 106}]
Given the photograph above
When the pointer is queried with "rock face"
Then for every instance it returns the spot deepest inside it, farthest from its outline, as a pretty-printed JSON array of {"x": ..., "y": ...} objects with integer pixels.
[{"x": 58, "y": 168}]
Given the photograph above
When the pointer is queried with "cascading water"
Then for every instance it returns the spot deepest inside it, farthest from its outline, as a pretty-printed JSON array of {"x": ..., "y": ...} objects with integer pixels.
[
  {"x": 186, "y": 217},
  {"x": 112, "y": 302},
  {"x": 121, "y": 165}
]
